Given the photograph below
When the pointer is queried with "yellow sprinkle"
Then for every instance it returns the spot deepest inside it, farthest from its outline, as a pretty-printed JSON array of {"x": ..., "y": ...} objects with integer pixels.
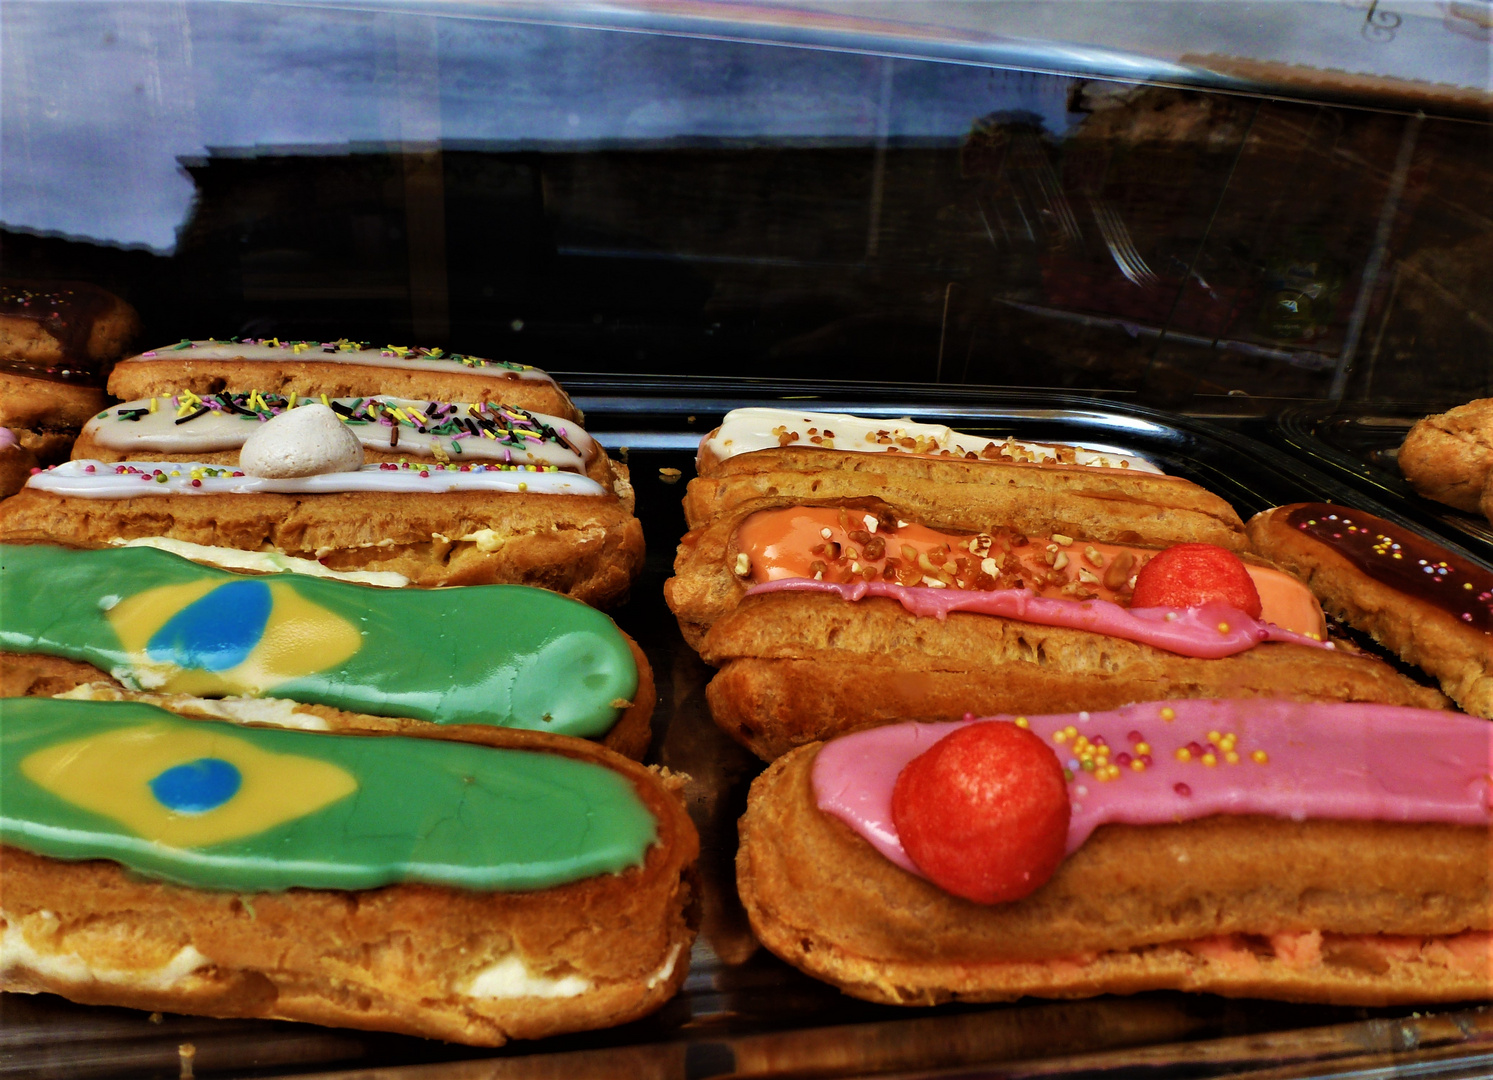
[
  {"x": 1231, "y": 757},
  {"x": 1184, "y": 754},
  {"x": 274, "y": 343},
  {"x": 1070, "y": 731},
  {"x": 1167, "y": 713},
  {"x": 152, "y": 404},
  {"x": 1142, "y": 748},
  {"x": 1210, "y": 760},
  {"x": 523, "y": 486},
  {"x": 1214, "y": 736},
  {"x": 1059, "y": 738},
  {"x": 1466, "y": 584},
  {"x": 1223, "y": 628},
  {"x": 291, "y": 403},
  {"x": 325, "y": 402},
  {"x": 1137, "y": 764},
  {"x": 1021, "y": 722},
  {"x": 1259, "y": 757}
]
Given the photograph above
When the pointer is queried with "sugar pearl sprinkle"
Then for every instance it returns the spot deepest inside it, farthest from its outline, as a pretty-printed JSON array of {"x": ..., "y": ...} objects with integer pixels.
[{"x": 1092, "y": 755}]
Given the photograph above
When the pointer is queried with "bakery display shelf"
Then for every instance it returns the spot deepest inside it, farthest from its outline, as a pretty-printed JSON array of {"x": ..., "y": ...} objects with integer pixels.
[
  {"x": 742, "y": 1012},
  {"x": 1359, "y": 443}
]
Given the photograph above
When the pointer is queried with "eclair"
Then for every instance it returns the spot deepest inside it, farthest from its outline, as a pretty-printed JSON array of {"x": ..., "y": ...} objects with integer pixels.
[
  {"x": 1431, "y": 607},
  {"x": 296, "y": 651},
  {"x": 514, "y": 885},
  {"x": 1306, "y": 852},
  {"x": 1447, "y": 457},
  {"x": 339, "y": 368},
  {"x": 485, "y": 494}
]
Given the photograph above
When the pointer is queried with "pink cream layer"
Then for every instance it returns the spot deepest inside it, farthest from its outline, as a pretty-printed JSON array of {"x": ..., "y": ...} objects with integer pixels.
[
  {"x": 7, "y": 438},
  {"x": 1208, "y": 632},
  {"x": 1274, "y": 758}
]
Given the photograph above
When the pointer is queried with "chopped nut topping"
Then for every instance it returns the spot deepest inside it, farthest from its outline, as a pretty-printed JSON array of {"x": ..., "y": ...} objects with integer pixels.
[
  {"x": 743, "y": 564},
  {"x": 1060, "y": 540}
]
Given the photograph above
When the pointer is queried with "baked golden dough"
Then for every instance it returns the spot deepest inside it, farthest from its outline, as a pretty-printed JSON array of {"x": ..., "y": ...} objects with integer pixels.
[
  {"x": 306, "y": 375},
  {"x": 388, "y": 959},
  {"x": 16, "y": 463},
  {"x": 1210, "y": 905},
  {"x": 35, "y": 675},
  {"x": 588, "y": 547},
  {"x": 1460, "y": 657},
  {"x": 1032, "y": 500},
  {"x": 1447, "y": 457},
  {"x": 799, "y": 667}
]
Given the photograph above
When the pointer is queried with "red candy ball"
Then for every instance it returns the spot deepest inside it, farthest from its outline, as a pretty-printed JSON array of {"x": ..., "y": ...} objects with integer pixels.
[
  {"x": 984, "y": 812},
  {"x": 1191, "y": 574}
]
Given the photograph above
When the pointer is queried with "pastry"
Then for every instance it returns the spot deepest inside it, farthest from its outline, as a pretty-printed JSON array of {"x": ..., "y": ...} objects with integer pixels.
[
  {"x": 291, "y": 650},
  {"x": 1320, "y": 852},
  {"x": 213, "y": 430},
  {"x": 301, "y": 491},
  {"x": 1429, "y": 606},
  {"x": 16, "y": 463},
  {"x": 1447, "y": 457},
  {"x": 336, "y": 368},
  {"x": 515, "y": 886},
  {"x": 57, "y": 340}
]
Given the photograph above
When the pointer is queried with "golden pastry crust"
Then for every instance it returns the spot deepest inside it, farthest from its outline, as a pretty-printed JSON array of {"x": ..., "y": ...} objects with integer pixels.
[
  {"x": 1189, "y": 906},
  {"x": 798, "y": 667},
  {"x": 587, "y": 547},
  {"x": 1023, "y": 496},
  {"x": 1460, "y": 657},
  {"x": 134, "y": 379},
  {"x": 705, "y": 585},
  {"x": 398, "y": 958},
  {"x": 1447, "y": 457},
  {"x": 47, "y": 403},
  {"x": 35, "y": 675},
  {"x": 16, "y": 463}
]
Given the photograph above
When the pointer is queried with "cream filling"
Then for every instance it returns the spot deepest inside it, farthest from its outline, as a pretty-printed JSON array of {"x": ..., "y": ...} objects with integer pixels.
[
  {"x": 270, "y": 712},
  {"x": 666, "y": 969},
  {"x": 263, "y": 562},
  {"x": 69, "y": 967},
  {"x": 510, "y": 978}
]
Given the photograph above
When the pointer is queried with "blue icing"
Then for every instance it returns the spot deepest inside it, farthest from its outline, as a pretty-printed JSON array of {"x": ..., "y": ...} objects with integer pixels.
[
  {"x": 216, "y": 632},
  {"x": 198, "y": 786}
]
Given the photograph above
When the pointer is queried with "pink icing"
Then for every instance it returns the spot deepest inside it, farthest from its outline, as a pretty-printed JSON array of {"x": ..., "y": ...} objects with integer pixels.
[
  {"x": 1208, "y": 632},
  {"x": 1322, "y": 760},
  {"x": 7, "y": 438}
]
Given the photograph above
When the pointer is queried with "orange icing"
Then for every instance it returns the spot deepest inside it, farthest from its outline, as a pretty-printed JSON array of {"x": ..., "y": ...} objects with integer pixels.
[{"x": 840, "y": 544}]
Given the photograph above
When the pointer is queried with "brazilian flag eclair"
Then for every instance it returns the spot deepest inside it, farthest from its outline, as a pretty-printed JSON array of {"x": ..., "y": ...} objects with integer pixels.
[
  {"x": 477, "y": 887},
  {"x": 297, "y": 651}
]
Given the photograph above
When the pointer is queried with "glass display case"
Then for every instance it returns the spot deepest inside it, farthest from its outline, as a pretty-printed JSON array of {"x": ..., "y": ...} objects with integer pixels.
[{"x": 1249, "y": 240}]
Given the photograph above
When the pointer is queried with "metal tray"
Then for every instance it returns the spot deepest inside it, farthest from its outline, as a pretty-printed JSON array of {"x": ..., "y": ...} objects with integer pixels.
[
  {"x": 1360, "y": 443},
  {"x": 742, "y": 1012}
]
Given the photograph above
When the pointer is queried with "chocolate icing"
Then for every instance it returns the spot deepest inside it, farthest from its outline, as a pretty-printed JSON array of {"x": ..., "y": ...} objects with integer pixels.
[
  {"x": 67, "y": 311},
  {"x": 1402, "y": 560}
]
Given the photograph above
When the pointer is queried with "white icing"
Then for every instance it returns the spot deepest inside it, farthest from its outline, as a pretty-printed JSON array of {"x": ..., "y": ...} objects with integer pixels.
[
  {"x": 746, "y": 430},
  {"x": 510, "y": 978},
  {"x": 158, "y": 432},
  {"x": 270, "y": 712},
  {"x": 261, "y": 562},
  {"x": 331, "y": 352},
  {"x": 307, "y": 441},
  {"x": 70, "y": 967},
  {"x": 107, "y": 481}
]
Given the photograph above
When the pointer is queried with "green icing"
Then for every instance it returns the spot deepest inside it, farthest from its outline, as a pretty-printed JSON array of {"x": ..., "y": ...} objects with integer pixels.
[
  {"x": 423, "y": 810},
  {"x": 507, "y": 655}
]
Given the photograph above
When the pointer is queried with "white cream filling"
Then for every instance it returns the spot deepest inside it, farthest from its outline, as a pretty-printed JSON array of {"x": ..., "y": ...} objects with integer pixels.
[
  {"x": 263, "y": 562},
  {"x": 510, "y": 978},
  {"x": 666, "y": 969},
  {"x": 69, "y": 967},
  {"x": 271, "y": 712},
  {"x": 744, "y": 431}
]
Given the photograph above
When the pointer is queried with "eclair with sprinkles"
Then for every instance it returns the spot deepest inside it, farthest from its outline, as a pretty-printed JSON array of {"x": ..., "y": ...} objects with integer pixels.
[
  {"x": 514, "y": 885},
  {"x": 1305, "y": 852},
  {"x": 340, "y": 368},
  {"x": 1429, "y": 606}
]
